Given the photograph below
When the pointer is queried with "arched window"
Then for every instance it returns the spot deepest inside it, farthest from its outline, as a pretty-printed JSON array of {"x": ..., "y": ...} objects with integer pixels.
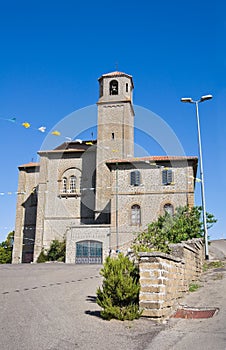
[
  {"x": 135, "y": 215},
  {"x": 168, "y": 208},
  {"x": 72, "y": 188},
  {"x": 64, "y": 185},
  {"x": 113, "y": 87}
]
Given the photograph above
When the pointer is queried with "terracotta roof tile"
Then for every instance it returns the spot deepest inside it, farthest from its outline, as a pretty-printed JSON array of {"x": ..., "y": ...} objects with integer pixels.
[
  {"x": 27, "y": 165},
  {"x": 115, "y": 74},
  {"x": 152, "y": 159}
]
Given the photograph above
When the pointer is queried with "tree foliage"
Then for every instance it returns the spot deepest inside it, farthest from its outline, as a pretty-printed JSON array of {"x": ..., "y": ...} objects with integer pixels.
[
  {"x": 6, "y": 249},
  {"x": 56, "y": 252},
  {"x": 119, "y": 296},
  {"x": 185, "y": 224}
]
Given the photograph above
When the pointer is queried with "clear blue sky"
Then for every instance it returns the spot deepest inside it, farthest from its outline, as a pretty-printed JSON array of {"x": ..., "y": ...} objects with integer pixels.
[{"x": 52, "y": 53}]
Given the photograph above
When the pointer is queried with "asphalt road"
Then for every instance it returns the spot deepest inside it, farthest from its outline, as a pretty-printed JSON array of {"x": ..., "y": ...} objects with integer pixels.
[{"x": 52, "y": 307}]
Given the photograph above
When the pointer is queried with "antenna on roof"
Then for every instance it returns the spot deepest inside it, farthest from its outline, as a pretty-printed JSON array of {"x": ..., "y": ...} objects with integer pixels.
[{"x": 116, "y": 66}]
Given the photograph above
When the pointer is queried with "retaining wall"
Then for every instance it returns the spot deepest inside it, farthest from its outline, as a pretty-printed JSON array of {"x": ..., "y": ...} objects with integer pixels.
[{"x": 164, "y": 278}]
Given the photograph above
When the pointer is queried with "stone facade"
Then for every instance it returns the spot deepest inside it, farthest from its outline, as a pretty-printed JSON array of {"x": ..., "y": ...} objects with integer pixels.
[
  {"x": 95, "y": 194},
  {"x": 164, "y": 278}
]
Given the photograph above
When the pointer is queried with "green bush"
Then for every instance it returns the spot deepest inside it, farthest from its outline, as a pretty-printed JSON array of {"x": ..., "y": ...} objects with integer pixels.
[
  {"x": 6, "y": 249},
  {"x": 56, "y": 252},
  {"x": 119, "y": 296},
  {"x": 42, "y": 257},
  {"x": 185, "y": 224}
]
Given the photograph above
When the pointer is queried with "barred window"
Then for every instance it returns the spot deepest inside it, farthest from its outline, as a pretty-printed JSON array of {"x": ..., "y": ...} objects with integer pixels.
[{"x": 135, "y": 215}]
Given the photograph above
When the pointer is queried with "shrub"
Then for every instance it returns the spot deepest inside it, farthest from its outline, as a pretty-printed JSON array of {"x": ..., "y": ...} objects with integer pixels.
[
  {"x": 56, "y": 252},
  {"x": 185, "y": 224},
  {"x": 42, "y": 257},
  {"x": 6, "y": 249},
  {"x": 119, "y": 297}
]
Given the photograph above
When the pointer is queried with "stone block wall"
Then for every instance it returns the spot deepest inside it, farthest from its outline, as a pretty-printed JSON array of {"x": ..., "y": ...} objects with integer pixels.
[{"x": 164, "y": 278}]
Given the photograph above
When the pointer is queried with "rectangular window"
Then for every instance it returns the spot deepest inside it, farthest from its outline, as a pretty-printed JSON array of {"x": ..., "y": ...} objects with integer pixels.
[
  {"x": 64, "y": 185},
  {"x": 72, "y": 184},
  {"x": 167, "y": 177},
  {"x": 135, "y": 178}
]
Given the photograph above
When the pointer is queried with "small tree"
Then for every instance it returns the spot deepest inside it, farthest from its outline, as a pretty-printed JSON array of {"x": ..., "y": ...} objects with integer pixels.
[
  {"x": 119, "y": 297},
  {"x": 185, "y": 224},
  {"x": 42, "y": 257},
  {"x": 56, "y": 252},
  {"x": 6, "y": 249}
]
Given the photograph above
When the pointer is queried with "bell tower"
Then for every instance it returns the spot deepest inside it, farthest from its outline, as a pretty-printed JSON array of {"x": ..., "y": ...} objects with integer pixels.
[{"x": 115, "y": 130}]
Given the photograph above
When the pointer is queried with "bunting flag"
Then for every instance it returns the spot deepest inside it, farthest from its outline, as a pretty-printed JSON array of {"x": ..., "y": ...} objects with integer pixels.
[
  {"x": 56, "y": 133},
  {"x": 42, "y": 128},
  {"x": 26, "y": 125},
  {"x": 12, "y": 120}
]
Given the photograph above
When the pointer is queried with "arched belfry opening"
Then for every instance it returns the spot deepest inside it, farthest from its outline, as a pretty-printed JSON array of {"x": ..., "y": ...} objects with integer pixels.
[{"x": 113, "y": 87}]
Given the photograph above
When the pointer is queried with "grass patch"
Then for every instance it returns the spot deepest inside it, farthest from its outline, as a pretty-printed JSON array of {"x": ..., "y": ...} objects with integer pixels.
[
  {"x": 193, "y": 287},
  {"x": 212, "y": 265}
]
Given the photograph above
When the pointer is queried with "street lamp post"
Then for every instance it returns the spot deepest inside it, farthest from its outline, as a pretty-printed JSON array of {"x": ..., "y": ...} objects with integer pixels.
[{"x": 202, "y": 99}]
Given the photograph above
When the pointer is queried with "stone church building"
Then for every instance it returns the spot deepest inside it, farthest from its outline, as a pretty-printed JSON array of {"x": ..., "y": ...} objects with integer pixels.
[{"x": 96, "y": 194}]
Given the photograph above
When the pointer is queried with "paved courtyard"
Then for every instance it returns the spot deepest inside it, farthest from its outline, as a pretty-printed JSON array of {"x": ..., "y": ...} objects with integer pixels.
[{"x": 52, "y": 307}]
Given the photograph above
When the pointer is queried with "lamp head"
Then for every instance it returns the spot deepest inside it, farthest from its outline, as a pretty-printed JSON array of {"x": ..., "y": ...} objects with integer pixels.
[
  {"x": 186, "y": 99},
  {"x": 206, "y": 97}
]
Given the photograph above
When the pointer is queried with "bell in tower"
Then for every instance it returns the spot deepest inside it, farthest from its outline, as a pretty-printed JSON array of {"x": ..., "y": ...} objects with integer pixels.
[{"x": 113, "y": 87}]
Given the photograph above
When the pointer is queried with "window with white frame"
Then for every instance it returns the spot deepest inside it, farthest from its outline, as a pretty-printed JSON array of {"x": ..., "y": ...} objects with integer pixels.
[
  {"x": 72, "y": 186},
  {"x": 64, "y": 185},
  {"x": 135, "y": 215}
]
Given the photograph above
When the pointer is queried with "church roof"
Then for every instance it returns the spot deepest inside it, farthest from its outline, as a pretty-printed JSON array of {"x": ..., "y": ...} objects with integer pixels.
[
  {"x": 71, "y": 146},
  {"x": 116, "y": 74},
  {"x": 152, "y": 159},
  {"x": 29, "y": 165},
  {"x": 76, "y": 145}
]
